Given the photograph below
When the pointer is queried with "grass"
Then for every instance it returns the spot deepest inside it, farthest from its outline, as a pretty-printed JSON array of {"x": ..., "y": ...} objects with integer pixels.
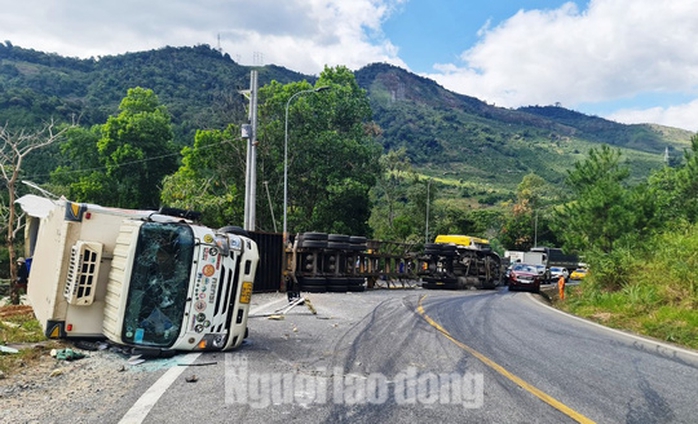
[
  {"x": 634, "y": 311},
  {"x": 19, "y": 328},
  {"x": 653, "y": 292}
]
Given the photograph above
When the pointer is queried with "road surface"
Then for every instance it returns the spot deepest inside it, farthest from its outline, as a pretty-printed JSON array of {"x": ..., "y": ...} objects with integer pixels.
[{"x": 442, "y": 356}]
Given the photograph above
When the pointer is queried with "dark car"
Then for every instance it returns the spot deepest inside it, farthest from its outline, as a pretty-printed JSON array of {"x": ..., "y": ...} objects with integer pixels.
[{"x": 524, "y": 277}]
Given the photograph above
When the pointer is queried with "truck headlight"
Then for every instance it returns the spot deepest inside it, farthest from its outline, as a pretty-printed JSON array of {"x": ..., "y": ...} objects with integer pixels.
[{"x": 213, "y": 342}]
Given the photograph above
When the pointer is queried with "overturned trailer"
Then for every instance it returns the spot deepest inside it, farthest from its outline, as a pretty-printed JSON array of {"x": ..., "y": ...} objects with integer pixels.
[
  {"x": 150, "y": 279},
  {"x": 320, "y": 262},
  {"x": 460, "y": 262}
]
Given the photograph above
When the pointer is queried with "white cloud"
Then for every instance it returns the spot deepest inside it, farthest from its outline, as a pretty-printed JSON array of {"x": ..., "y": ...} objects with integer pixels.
[
  {"x": 609, "y": 50},
  {"x": 303, "y": 35},
  {"x": 679, "y": 116},
  {"x": 612, "y": 49}
]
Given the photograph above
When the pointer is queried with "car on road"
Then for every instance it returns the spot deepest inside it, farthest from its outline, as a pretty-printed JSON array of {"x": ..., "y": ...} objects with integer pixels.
[
  {"x": 579, "y": 274},
  {"x": 556, "y": 272},
  {"x": 524, "y": 277}
]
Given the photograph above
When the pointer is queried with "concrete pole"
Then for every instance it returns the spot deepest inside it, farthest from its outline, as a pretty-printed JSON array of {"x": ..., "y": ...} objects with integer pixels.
[{"x": 251, "y": 164}]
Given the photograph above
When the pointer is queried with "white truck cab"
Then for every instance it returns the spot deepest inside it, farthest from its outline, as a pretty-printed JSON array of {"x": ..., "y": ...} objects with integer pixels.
[{"x": 139, "y": 278}]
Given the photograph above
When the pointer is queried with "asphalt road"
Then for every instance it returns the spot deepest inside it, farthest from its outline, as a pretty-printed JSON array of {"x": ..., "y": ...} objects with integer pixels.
[{"x": 397, "y": 356}]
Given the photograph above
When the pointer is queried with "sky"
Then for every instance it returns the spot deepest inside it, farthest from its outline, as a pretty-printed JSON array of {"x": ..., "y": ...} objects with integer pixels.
[{"x": 632, "y": 61}]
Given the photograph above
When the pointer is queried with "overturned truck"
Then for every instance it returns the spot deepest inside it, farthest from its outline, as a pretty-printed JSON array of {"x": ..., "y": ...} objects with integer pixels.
[
  {"x": 459, "y": 262},
  {"x": 148, "y": 279},
  {"x": 318, "y": 262}
]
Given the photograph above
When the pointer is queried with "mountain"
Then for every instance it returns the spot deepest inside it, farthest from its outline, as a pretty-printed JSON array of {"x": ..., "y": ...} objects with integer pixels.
[
  {"x": 460, "y": 138},
  {"x": 462, "y": 142}
]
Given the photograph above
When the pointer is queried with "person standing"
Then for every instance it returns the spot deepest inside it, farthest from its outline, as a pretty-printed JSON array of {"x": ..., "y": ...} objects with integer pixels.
[
  {"x": 22, "y": 275},
  {"x": 561, "y": 287}
]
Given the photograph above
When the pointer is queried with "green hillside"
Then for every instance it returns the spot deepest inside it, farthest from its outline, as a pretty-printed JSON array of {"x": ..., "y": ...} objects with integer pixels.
[
  {"x": 464, "y": 139},
  {"x": 468, "y": 144}
]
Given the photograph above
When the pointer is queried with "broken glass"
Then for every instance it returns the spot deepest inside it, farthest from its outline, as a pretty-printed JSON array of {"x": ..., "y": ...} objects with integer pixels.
[{"x": 159, "y": 284}]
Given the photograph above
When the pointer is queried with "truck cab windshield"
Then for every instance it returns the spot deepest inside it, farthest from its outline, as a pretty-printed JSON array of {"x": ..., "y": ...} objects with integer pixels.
[{"x": 159, "y": 283}]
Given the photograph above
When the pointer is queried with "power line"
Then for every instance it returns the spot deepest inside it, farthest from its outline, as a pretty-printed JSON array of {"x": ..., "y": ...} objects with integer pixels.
[{"x": 135, "y": 162}]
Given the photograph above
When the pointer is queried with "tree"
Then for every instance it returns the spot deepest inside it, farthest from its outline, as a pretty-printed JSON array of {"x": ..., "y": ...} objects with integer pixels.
[
  {"x": 332, "y": 154},
  {"x": 211, "y": 177},
  {"x": 391, "y": 217},
  {"x": 526, "y": 225},
  {"x": 124, "y": 160},
  {"x": 601, "y": 211},
  {"x": 14, "y": 148},
  {"x": 683, "y": 197},
  {"x": 332, "y": 160}
]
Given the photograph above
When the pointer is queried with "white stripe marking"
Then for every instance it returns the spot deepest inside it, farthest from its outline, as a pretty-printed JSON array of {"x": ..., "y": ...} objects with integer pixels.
[{"x": 145, "y": 403}]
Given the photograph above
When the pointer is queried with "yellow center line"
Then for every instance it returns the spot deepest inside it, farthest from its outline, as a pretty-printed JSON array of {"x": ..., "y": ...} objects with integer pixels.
[{"x": 501, "y": 370}]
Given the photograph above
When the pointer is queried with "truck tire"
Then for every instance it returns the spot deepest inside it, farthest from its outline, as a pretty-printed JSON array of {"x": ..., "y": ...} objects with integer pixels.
[
  {"x": 313, "y": 284},
  {"x": 340, "y": 238},
  {"x": 314, "y": 244}
]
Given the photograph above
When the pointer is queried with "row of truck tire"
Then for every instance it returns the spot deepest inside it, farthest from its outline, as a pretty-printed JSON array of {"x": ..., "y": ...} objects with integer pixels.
[
  {"x": 332, "y": 242},
  {"x": 314, "y": 240}
]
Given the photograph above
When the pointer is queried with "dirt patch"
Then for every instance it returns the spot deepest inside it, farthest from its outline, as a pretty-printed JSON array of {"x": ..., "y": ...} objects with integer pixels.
[
  {"x": 45, "y": 387},
  {"x": 15, "y": 310},
  {"x": 601, "y": 316}
]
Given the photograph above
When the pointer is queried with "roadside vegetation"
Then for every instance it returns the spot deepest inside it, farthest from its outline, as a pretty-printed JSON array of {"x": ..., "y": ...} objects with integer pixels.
[
  {"x": 649, "y": 291},
  {"x": 19, "y": 328},
  {"x": 641, "y": 244}
]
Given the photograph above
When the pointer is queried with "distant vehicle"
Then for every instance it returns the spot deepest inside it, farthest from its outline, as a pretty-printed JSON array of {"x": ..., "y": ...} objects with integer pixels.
[
  {"x": 525, "y": 277},
  {"x": 555, "y": 257},
  {"x": 459, "y": 262},
  {"x": 531, "y": 258},
  {"x": 579, "y": 274},
  {"x": 556, "y": 272}
]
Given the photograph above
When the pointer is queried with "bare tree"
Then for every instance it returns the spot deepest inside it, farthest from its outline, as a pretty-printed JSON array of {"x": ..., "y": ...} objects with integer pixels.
[{"x": 14, "y": 147}]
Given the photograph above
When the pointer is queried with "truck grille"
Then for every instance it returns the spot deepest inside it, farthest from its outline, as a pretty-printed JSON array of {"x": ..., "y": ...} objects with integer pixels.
[
  {"x": 224, "y": 304},
  {"x": 82, "y": 273}
]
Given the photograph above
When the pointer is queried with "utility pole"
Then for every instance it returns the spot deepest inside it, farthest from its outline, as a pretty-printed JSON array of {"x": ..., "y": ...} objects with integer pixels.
[
  {"x": 251, "y": 164},
  {"x": 535, "y": 231},
  {"x": 426, "y": 230}
]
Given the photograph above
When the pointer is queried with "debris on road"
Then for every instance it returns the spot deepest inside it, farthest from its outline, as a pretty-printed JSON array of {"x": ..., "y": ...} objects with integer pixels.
[
  {"x": 7, "y": 349},
  {"x": 279, "y": 313},
  {"x": 66, "y": 354},
  {"x": 135, "y": 360},
  {"x": 203, "y": 364}
]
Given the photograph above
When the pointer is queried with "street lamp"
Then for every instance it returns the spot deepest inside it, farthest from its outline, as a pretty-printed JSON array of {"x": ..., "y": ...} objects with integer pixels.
[{"x": 288, "y": 103}]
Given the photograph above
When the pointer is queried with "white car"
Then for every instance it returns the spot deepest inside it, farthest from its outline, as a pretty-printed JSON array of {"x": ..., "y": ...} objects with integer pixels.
[{"x": 556, "y": 272}]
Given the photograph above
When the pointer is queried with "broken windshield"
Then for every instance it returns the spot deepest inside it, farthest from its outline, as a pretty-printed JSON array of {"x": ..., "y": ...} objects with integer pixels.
[{"x": 159, "y": 284}]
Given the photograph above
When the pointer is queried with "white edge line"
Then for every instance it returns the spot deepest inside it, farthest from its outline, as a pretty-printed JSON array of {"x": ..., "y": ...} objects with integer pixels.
[
  {"x": 145, "y": 403},
  {"x": 692, "y": 354}
]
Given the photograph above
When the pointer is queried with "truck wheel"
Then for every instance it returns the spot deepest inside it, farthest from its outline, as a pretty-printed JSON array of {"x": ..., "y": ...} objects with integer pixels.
[
  {"x": 314, "y": 244},
  {"x": 340, "y": 238},
  {"x": 313, "y": 284}
]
